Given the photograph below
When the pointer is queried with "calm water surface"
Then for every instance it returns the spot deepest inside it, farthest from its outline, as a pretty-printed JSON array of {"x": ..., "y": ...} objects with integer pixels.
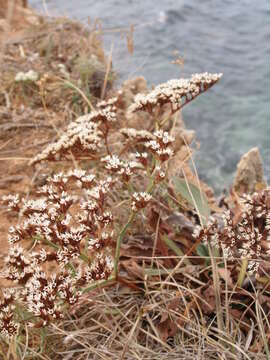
[{"x": 226, "y": 36}]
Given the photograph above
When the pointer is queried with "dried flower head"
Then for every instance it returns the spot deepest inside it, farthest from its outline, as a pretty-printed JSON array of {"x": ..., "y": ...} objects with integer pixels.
[
  {"x": 140, "y": 200},
  {"x": 160, "y": 145},
  {"x": 175, "y": 92},
  {"x": 8, "y": 327},
  {"x": 81, "y": 138},
  {"x": 30, "y": 75},
  {"x": 120, "y": 167},
  {"x": 84, "y": 136},
  {"x": 244, "y": 236}
]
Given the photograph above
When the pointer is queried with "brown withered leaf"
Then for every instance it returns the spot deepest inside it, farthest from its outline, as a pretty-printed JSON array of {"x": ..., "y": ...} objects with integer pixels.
[
  {"x": 180, "y": 220},
  {"x": 166, "y": 329},
  {"x": 156, "y": 222},
  {"x": 236, "y": 313},
  {"x": 160, "y": 226},
  {"x": 133, "y": 269},
  {"x": 137, "y": 245},
  {"x": 167, "y": 326},
  {"x": 238, "y": 210},
  {"x": 225, "y": 274},
  {"x": 207, "y": 301}
]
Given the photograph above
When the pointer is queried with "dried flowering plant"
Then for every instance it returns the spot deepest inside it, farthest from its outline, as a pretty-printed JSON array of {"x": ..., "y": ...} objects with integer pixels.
[
  {"x": 65, "y": 228},
  {"x": 243, "y": 234},
  {"x": 69, "y": 224}
]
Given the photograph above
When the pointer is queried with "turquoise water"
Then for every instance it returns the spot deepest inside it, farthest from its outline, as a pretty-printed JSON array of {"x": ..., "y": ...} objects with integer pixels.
[{"x": 226, "y": 36}]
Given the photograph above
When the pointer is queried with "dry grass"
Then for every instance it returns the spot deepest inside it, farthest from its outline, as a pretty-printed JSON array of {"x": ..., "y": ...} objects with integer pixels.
[{"x": 162, "y": 320}]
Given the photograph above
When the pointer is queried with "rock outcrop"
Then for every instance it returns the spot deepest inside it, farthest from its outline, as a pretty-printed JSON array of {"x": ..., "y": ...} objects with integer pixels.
[{"x": 249, "y": 176}]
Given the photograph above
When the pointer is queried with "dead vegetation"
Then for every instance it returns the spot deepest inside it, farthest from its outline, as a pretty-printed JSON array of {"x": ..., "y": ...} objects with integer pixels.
[{"x": 175, "y": 295}]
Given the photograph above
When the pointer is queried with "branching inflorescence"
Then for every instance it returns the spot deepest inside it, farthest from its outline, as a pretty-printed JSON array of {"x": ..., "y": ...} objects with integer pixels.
[
  {"x": 83, "y": 137},
  {"x": 176, "y": 92},
  {"x": 71, "y": 230},
  {"x": 69, "y": 224},
  {"x": 244, "y": 235}
]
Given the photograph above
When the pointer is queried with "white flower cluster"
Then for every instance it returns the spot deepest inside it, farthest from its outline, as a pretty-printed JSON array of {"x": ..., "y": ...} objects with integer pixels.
[
  {"x": 248, "y": 237},
  {"x": 31, "y": 75},
  {"x": 176, "y": 92},
  {"x": 140, "y": 200},
  {"x": 34, "y": 205},
  {"x": 111, "y": 104},
  {"x": 8, "y": 327},
  {"x": 105, "y": 115},
  {"x": 18, "y": 267},
  {"x": 101, "y": 189},
  {"x": 12, "y": 201},
  {"x": 83, "y": 137},
  {"x": 160, "y": 173},
  {"x": 142, "y": 157},
  {"x": 101, "y": 267},
  {"x": 120, "y": 167},
  {"x": 160, "y": 145},
  {"x": 98, "y": 243},
  {"x": 82, "y": 178},
  {"x": 42, "y": 295}
]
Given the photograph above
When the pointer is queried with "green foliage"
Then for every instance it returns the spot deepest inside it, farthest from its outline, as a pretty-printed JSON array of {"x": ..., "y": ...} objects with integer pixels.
[{"x": 194, "y": 196}]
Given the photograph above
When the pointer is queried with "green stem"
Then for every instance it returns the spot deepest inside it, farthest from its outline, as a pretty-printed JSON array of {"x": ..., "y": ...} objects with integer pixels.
[
  {"x": 242, "y": 273},
  {"x": 100, "y": 283},
  {"x": 119, "y": 242},
  {"x": 151, "y": 184},
  {"x": 216, "y": 284},
  {"x": 167, "y": 118},
  {"x": 51, "y": 244},
  {"x": 130, "y": 188}
]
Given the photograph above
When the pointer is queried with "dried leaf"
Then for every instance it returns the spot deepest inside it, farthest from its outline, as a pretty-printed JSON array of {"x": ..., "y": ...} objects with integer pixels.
[
  {"x": 225, "y": 274},
  {"x": 208, "y": 306},
  {"x": 166, "y": 329},
  {"x": 133, "y": 269},
  {"x": 167, "y": 326}
]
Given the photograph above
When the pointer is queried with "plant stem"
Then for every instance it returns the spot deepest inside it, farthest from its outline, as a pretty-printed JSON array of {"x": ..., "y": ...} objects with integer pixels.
[
  {"x": 242, "y": 273},
  {"x": 151, "y": 184},
  {"x": 100, "y": 283},
  {"x": 216, "y": 287},
  {"x": 119, "y": 242}
]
